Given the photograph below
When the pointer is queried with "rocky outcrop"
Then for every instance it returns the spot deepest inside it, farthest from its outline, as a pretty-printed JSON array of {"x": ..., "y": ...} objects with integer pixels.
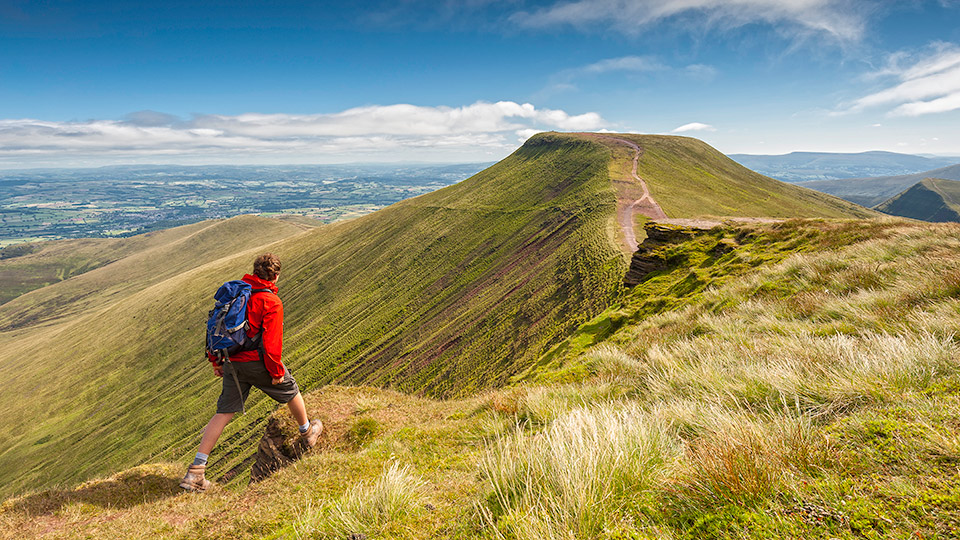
[{"x": 649, "y": 257}]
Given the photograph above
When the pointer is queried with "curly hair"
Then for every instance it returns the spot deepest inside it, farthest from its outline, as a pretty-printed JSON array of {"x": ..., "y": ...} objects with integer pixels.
[{"x": 267, "y": 266}]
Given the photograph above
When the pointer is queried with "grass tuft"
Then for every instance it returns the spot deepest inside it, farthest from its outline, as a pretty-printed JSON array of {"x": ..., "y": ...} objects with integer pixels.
[
  {"x": 577, "y": 476},
  {"x": 367, "y": 509},
  {"x": 362, "y": 431}
]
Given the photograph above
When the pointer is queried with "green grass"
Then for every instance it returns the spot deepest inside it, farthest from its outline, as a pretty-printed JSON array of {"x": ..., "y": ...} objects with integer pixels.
[
  {"x": 815, "y": 397},
  {"x": 30, "y": 266},
  {"x": 447, "y": 294},
  {"x": 809, "y": 389},
  {"x": 410, "y": 480}
]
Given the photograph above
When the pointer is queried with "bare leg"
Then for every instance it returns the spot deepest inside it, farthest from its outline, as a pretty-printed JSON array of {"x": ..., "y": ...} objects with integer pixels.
[
  {"x": 298, "y": 409},
  {"x": 213, "y": 430}
]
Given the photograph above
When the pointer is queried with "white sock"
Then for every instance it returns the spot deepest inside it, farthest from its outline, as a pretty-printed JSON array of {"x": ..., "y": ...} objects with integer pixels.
[
  {"x": 305, "y": 427},
  {"x": 201, "y": 459}
]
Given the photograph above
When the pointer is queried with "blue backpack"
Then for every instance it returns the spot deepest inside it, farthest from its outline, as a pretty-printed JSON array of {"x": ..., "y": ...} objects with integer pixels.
[{"x": 227, "y": 323}]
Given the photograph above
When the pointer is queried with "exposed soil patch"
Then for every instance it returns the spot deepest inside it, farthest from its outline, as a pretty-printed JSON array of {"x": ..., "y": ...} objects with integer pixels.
[{"x": 702, "y": 223}]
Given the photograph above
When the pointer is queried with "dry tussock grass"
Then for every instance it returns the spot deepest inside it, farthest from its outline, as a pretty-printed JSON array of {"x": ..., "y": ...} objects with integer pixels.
[
  {"x": 726, "y": 400},
  {"x": 570, "y": 478}
]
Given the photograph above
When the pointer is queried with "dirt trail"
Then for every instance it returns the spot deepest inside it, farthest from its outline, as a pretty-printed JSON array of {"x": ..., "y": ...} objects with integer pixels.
[{"x": 627, "y": 208}]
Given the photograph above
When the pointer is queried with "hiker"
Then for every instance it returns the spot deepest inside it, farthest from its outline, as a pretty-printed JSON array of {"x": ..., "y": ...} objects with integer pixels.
[{"x": 262, "y": 368}]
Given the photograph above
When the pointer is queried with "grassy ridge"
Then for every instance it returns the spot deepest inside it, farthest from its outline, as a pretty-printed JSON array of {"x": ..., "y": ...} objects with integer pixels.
[
  {"x": 492, "y": 270},
  {"x": 804, "y": 384},
  {"x": 932, "y": 199},
  {"x": 135, "y": 263},
  {"x": 814, "y": 398},
  {"x": 25, "y": 267}
]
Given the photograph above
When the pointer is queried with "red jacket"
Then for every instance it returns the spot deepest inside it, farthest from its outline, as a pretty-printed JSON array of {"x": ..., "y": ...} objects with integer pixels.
[{"x": 265, "y": 310}]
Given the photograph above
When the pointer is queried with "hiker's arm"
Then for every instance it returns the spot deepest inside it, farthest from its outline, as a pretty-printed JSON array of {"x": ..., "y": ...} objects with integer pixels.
[
  {"x": 214, "y": 361},
  {"x": 273, "y": 341}
]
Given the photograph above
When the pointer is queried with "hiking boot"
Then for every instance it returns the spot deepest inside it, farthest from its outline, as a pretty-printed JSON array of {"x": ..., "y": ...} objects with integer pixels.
[
  {"x": 313, "y": 433},
  {"x": 194, "y": 480}
]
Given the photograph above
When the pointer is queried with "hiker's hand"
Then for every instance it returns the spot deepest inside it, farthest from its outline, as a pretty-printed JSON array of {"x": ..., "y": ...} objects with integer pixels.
[
  {"x": 218, "y": 370},
  {"x": 276, "y": 381}
]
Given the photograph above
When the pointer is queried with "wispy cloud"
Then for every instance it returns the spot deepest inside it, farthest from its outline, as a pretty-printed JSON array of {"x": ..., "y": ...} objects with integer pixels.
[
  {"x": 634, "y": 64},
  {"x": 841, "y": 19},
  {"x": 566, "y": 80},
  {"x": 701, "y": 72},
  {"x": 925, "y": 84},
  {"x": 694, "y": 126},
  {"x": 401, "y": 131}
]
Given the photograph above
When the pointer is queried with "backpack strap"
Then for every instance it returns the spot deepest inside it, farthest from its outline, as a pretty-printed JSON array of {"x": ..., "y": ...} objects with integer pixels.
[
  {"x": 261, "y": 351},
  {"x": 226, "y": 361},
  {"x": 253, "y": 292}
]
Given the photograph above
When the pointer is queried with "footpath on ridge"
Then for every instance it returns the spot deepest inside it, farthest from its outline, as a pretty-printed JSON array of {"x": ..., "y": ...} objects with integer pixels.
[{"x": 627, "y": 207}]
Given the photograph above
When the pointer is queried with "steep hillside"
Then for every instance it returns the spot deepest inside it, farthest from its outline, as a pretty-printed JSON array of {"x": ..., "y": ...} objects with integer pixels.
[
  {"x": 788, "y": 380},
  {"x": 870, "y": 192},
  {"x": 932, "y": 199},
  {"x": 444, "y": 294}
]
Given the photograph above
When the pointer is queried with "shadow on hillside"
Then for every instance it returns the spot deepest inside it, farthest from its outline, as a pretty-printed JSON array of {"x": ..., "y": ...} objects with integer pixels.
[{"x": 125, "y": 490}]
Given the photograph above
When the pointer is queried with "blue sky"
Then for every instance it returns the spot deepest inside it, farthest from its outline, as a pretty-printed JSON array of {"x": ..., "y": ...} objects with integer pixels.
[{"x": 85, "y": 83}]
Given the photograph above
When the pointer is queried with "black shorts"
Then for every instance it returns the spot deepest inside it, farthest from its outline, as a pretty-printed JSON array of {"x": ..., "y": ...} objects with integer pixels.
[{"x": 252, "y": 374}]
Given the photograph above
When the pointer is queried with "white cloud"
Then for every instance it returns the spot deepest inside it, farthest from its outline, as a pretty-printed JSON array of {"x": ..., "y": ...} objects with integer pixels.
[
  {"x": 924, "y": 85},
  {"x": 840, "y": 19},
  {"x": 353, "y": 132},
  {"x": 563, "y": 80},
  {"x": 524, "y": 134},
  {"x": 694, "y": 126},
  {"x": 401, "y": 119},
  {"x": 917, "y": 108}
]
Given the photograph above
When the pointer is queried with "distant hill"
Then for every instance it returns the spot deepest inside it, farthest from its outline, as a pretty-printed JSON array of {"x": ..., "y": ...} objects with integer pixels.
[
  {"x": 870, "y": 192},
  {"x": 810, "y": 166},
  {"x": 26, "y": 267},
  {"x": 931, "y": 199},
  {"x": 445, "y": 294}
]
